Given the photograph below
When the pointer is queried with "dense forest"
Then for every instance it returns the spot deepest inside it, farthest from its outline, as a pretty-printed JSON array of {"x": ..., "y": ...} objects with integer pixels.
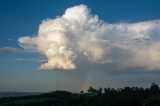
[{"x": 127, "y": 96}]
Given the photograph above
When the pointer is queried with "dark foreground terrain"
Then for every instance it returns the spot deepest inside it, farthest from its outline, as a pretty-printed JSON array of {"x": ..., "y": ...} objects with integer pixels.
[{"x": 128, "y": 96}]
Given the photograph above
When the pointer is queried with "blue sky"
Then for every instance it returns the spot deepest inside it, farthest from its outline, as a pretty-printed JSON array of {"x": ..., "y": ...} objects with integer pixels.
[{"x": 19, "y": 69}]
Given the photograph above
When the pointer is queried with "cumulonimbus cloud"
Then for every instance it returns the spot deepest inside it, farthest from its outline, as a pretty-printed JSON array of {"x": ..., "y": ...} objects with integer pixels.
[{"x": 77, "y": 33}]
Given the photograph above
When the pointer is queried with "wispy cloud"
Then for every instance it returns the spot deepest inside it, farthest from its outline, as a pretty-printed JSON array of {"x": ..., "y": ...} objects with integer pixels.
[
  {"x": 39, "y": 60},
  {"x": 11, "y": 50},
  {"x": 10, "y": 39},
  {"x": 79, "y": 37}
]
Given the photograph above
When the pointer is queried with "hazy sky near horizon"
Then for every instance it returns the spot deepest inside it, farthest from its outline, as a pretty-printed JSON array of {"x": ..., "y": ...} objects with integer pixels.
[{"x": 73, "y": 44}]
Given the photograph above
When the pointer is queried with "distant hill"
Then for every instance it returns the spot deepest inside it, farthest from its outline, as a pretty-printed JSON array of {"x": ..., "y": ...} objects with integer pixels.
[{"x": 16, "y": 94}]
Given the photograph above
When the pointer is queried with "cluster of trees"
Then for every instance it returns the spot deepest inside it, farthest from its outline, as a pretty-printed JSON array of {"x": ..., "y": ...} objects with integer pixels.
[{"x": 127, "y": 96}]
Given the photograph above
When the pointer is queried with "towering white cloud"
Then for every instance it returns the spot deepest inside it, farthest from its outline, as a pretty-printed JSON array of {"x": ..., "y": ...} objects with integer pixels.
[{"x": 78, "y": 33}]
